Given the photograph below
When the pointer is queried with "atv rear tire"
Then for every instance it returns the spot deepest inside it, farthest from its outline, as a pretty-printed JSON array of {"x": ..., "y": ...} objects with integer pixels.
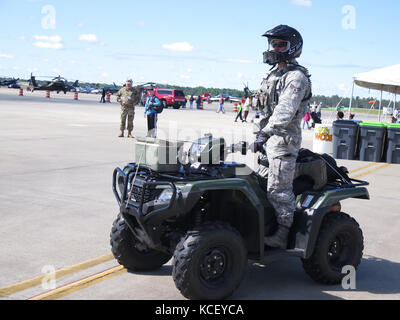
[
  {"x": 340, "y": 243},
  {"x": 125, "y": 249},
  {"x": 209, "y": 262}
]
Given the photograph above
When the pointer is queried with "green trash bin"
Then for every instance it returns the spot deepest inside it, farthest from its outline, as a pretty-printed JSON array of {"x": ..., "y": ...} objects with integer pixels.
[
  {"x": 372, "y": 141},
  {"x": 393, "y": 143}
]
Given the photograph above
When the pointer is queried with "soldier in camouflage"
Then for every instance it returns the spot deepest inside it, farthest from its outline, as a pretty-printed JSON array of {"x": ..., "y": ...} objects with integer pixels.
[
  {"x": 283, "y": 96},
  {"x": 128, "y": 97}
]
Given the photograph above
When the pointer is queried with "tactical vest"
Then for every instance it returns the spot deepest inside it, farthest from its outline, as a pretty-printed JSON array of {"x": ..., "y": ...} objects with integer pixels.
[{"x": 269, "y": 98}]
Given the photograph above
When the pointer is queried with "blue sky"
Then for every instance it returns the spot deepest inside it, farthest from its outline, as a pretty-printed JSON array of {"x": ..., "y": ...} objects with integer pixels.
[{"x": 214, "y": 43}]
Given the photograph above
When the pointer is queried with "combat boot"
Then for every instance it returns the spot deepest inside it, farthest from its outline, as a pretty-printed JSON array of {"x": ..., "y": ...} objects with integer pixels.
[
  {"x": 121, "y": 134},
  {"x": 130, "y": 134},
  {"x": 279, "y": 239}
]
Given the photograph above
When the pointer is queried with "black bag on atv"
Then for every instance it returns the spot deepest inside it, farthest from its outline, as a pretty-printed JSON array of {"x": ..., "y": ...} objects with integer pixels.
[
  {"x": 313, "y": 172},
  {"x": 322, "y": 169}
]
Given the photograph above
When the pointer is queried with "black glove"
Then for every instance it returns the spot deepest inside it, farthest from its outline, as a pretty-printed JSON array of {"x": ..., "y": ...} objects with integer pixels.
[{"x": 258, "y": 145}]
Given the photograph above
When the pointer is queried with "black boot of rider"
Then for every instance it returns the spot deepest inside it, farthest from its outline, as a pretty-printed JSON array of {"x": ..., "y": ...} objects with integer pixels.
[{"x": 279, "y": 239}]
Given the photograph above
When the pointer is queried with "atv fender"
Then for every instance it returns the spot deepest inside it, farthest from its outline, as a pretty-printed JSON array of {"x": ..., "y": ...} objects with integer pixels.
[{"x": 308, "y": 221}]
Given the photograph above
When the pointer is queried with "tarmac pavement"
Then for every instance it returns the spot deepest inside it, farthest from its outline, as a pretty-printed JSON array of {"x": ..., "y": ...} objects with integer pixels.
[{"x": 57, "y": 156}]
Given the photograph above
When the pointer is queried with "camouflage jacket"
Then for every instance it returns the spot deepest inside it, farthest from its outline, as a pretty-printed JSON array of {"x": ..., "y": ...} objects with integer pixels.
[
  {"x": 284, "y": 96},
  {"x": 128, "y": 97}
]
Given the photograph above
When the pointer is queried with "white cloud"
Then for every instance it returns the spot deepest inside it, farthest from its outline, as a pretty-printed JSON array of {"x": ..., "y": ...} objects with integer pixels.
[
  {"x": 183, "y": 76},
  {"x": 48, "y": 42},
  {"x": 88, "y": 37},
  {"x": 56, "y": 39},
  {"x": 179, "y": 46},
  {"x": 48, "y": 45},
  {"x": 5, "y": 56},
  {"x": 239, "y": 61},
  {"x": 302, "y": 3},
  {"x": 105, "y": 75},
  {"x": 16, "y": 68},
  {"x": 240, "y": 75},
  {"x": 56, "y": 70},
  {"x": 22, "y": 38}
]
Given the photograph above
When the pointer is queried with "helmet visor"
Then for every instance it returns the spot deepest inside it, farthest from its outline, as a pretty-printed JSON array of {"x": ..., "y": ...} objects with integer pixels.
[{"x": 279, "y": 45}]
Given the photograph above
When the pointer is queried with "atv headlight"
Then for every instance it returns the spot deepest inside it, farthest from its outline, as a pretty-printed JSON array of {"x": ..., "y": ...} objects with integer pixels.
[{"x": 166, "y": 195}]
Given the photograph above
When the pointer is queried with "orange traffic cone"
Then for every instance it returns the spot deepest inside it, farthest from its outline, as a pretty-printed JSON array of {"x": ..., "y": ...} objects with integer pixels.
[
  {"x": 108, "y": 97},
  {"x": 235, "y": 108},
  {"x": 21, "y": 92},
  {"x": 76, "y": 95},
  {"x": 47, "y": 94}
]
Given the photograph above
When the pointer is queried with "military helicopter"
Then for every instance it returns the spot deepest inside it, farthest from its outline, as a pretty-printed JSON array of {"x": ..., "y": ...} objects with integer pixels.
[
  {"x": 11, "y": 83},
  {"x": 56, "y": 84}
]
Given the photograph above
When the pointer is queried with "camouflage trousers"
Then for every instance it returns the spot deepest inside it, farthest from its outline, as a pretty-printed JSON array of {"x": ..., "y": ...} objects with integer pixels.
[
  {"x": 280, "y": 174},
  {"x": 127, "y": 114}
]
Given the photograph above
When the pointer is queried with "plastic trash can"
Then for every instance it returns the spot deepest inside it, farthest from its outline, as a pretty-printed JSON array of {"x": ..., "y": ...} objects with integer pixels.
[
  {"x": 393, "y": 143},
  {"x": 372, "y": 141},
  {"x": 345, "y": 139}
]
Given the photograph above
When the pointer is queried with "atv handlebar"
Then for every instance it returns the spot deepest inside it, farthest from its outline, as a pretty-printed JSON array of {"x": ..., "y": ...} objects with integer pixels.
[{"x": 241, "y": 147}]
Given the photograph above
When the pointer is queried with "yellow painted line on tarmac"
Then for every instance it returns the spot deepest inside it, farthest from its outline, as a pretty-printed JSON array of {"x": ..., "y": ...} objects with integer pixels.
[
  {"x": 81, "y": 284},
  {"x": 24, "y": 285},
  {"x": 372, "y": 171},
  {"x": 364, "y": 167}
]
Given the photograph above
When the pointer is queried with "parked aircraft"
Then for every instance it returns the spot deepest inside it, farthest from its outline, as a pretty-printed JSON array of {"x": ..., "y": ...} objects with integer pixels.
[
  {"x": 57, "y": 84},
  {"x": 113, "y": 89},
  {"x": 227, "y": 97},
  {"x": 11, "y": 83}
]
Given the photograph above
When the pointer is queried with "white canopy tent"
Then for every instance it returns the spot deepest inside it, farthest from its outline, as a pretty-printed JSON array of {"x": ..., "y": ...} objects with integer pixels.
[{"x": 385, "y": 79}]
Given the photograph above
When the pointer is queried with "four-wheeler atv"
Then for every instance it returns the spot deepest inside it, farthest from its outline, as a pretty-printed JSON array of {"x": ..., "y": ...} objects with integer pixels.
[{"x": 211, "y": 216}]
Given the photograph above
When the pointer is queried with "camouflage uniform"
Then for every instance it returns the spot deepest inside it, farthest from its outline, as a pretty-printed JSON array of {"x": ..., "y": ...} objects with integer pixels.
[
  {"x": 128, "y": 98},
  {"x": 284, "y": 96}
]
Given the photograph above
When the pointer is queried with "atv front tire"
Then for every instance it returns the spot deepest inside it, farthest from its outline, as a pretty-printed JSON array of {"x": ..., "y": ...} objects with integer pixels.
[
  {"x": 130, "y": 253},
  {"x": 340, "y": 243},
  {"x": 209, "y": 262}
]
